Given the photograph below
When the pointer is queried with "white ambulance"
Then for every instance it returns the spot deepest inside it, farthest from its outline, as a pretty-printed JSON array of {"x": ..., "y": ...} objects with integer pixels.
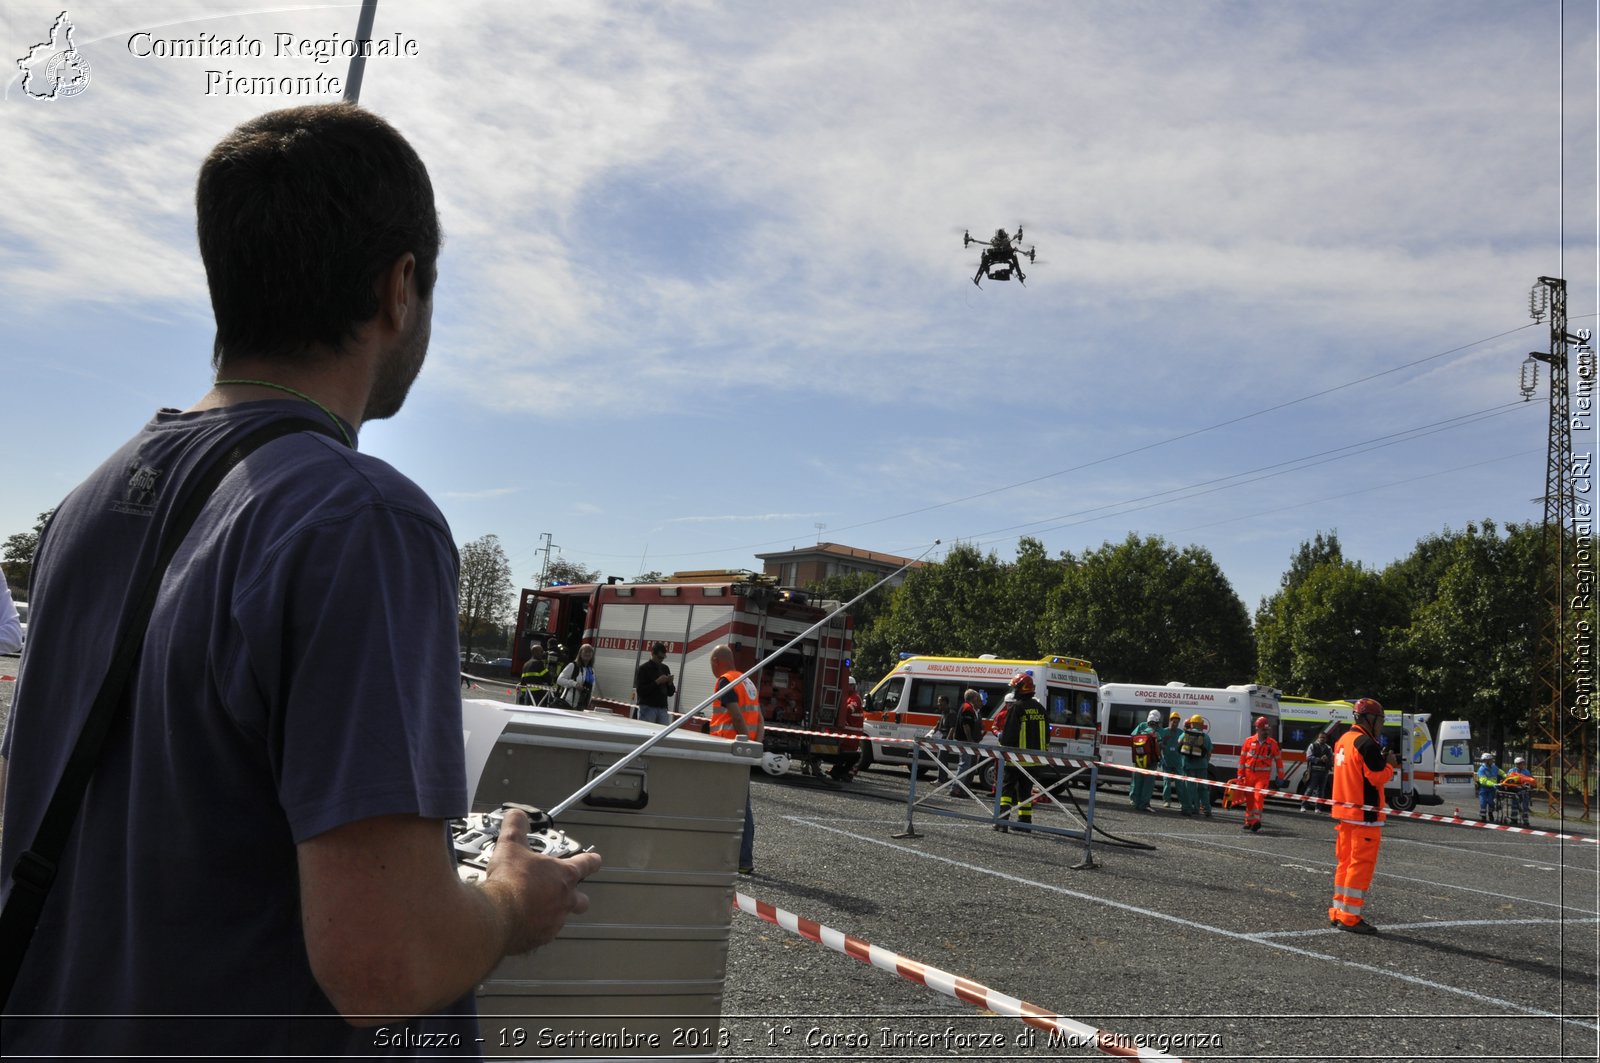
[
  {"x": 1230, "y": 714},
  {"x": 903, "y": 704},
  {"x": 1436, "y": 758}
]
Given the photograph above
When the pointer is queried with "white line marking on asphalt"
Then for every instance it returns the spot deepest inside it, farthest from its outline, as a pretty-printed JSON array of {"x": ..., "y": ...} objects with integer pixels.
[
  {"x": 1426, "y": 926},
  {"x": 1413, "y": 880},
  {"x": 1189, "y": 921},
  {"x": 1587, "y": 850}
]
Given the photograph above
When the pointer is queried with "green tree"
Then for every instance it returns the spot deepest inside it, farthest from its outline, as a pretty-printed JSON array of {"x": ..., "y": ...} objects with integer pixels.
[
  {"x": 1468, "y": 648},
  {"x": 1142, "y": 610},
  {"x": 485, "y": 593},
  {"x": 1324, "y": 637},
  {"x": 1272, "y": 622},
  {"x": 564, "y": 571},
  {"x": 18, "y": 550},
  {"x": 953, "y": 607},
  {"x": 1313, "y": 552},
  {"x": 864, "y": 615},
  {"x": 1027, "y": 588}
]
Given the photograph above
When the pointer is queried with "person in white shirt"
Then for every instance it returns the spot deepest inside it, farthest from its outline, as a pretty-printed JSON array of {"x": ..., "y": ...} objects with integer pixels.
[{"x": 10, "y": 622}]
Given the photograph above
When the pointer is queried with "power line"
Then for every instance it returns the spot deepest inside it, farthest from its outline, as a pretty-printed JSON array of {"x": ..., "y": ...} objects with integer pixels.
[
  {"x": 1362, "y": 490},
  {"x": 1126, "y": 453},
  {"x": 1267, "y": 472}
]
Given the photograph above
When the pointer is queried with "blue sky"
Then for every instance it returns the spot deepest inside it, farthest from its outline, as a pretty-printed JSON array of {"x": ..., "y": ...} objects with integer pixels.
[{"x": 704, "y": 289}]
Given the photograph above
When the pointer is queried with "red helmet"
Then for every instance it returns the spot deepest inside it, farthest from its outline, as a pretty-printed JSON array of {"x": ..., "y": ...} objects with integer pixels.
[
  {"x": 1369, "y": 708},
  {"x": 1022, "y": 683},
  {"x": 1261, "y": 723}
]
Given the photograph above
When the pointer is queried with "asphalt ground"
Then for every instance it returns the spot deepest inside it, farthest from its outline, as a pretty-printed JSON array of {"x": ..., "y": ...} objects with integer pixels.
[
  {"x": 1205, "y": 942},
  {"x": 1212, "y": 944},
  {"x": 1188, "y": 936}
]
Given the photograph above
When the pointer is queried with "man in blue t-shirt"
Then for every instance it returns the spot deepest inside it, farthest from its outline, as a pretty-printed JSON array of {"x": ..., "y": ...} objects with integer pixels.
[{"x": 264, "y": 839}]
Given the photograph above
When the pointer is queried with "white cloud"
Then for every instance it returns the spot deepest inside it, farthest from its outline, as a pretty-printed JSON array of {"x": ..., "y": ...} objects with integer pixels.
[{"x": 683, "y": 214}]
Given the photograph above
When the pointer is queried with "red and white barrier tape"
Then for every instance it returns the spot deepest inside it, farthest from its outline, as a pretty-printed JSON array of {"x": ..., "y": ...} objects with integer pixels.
[
  {"x": 1043, "y": 758},
  {"x": 478, "y": 679},
  {"x": 1455, "y": 821},
  {"x": 1070, "y": 762},
  {"x": 1071, "y": 1033}
]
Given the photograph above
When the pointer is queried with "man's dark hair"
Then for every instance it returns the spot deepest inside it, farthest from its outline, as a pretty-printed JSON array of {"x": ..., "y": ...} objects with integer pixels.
[{"x": 300, "y": 211}]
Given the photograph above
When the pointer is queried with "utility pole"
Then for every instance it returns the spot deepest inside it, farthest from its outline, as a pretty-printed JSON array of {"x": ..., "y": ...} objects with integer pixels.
[
  {"x": 1557, "y": 553},
  {"x": 544, "y": 570}
]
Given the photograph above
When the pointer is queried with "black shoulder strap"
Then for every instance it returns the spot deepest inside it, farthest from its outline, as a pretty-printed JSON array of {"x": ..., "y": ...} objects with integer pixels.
[{"x": 35, "y": 869}]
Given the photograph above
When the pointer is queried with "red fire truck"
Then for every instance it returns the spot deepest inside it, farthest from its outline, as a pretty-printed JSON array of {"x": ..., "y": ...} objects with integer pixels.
[{"x": 802, "y": 691}]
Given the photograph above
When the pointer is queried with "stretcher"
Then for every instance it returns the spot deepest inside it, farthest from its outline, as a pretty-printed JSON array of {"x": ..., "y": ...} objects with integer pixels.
[{"x": 1507, "y": 807}]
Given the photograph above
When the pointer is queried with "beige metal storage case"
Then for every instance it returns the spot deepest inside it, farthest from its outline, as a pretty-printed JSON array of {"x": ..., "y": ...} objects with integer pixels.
[{"x": 649, "y": 956}]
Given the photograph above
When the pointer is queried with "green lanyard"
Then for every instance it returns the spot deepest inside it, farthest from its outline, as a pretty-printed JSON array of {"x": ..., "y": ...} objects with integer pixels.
[{"x": 337, "y": 423}]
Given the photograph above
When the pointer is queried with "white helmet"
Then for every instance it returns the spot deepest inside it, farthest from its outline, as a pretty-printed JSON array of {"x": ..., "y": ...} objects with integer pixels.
[
  {"x": 1154, "y": 717},
  {"x": 775, "y": 763},
  {"x": 1486, "y": 757}
]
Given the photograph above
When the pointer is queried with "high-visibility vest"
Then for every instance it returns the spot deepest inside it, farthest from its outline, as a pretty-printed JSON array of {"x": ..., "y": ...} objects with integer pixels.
[
  {"x": 749, "y": 708},
  {"x": 1354, "y": 784},
  {"x": 536, "y": 673},
  {"x": 1033, "y": 731},
  {"x": 1258, "y": 754}
]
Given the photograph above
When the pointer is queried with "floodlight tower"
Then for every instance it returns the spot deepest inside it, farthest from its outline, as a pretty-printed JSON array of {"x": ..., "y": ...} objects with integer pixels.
[{"x": 1549, "y": 295}]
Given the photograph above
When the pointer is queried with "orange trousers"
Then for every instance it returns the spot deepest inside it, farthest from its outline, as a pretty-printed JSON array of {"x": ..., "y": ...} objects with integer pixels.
[
  {"x": 1253, "y": 799},
  {"x": 1356, "y": 850}
]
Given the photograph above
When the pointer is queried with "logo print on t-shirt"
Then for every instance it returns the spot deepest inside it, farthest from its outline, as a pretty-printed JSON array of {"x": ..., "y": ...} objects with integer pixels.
[{"x": 140, "y": 498}]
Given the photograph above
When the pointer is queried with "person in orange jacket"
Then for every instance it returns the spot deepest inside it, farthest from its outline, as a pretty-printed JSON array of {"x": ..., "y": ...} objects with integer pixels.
[
  {"x": 736, "y": 713},
  {"x": 1256, "y": 759},
  {"x": 1361, "y": 767}
]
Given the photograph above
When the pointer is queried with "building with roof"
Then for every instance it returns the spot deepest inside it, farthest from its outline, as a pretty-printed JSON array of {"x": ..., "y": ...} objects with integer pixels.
[{"x": 811, "y": 564}]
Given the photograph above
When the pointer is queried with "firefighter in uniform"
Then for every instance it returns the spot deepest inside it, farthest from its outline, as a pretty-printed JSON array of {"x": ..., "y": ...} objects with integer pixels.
[
  {"x": 736, "y": 713},
  {"x": 537, "y": 678},
  {"x": 1256, "y": 760},
  {"x": 1361, "y": 767},
  {"x": 1026, "y": 728}
]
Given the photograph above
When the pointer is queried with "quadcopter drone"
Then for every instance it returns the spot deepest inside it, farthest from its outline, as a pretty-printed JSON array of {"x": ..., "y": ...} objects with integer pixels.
[{"x": 1001, "y": 256}]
